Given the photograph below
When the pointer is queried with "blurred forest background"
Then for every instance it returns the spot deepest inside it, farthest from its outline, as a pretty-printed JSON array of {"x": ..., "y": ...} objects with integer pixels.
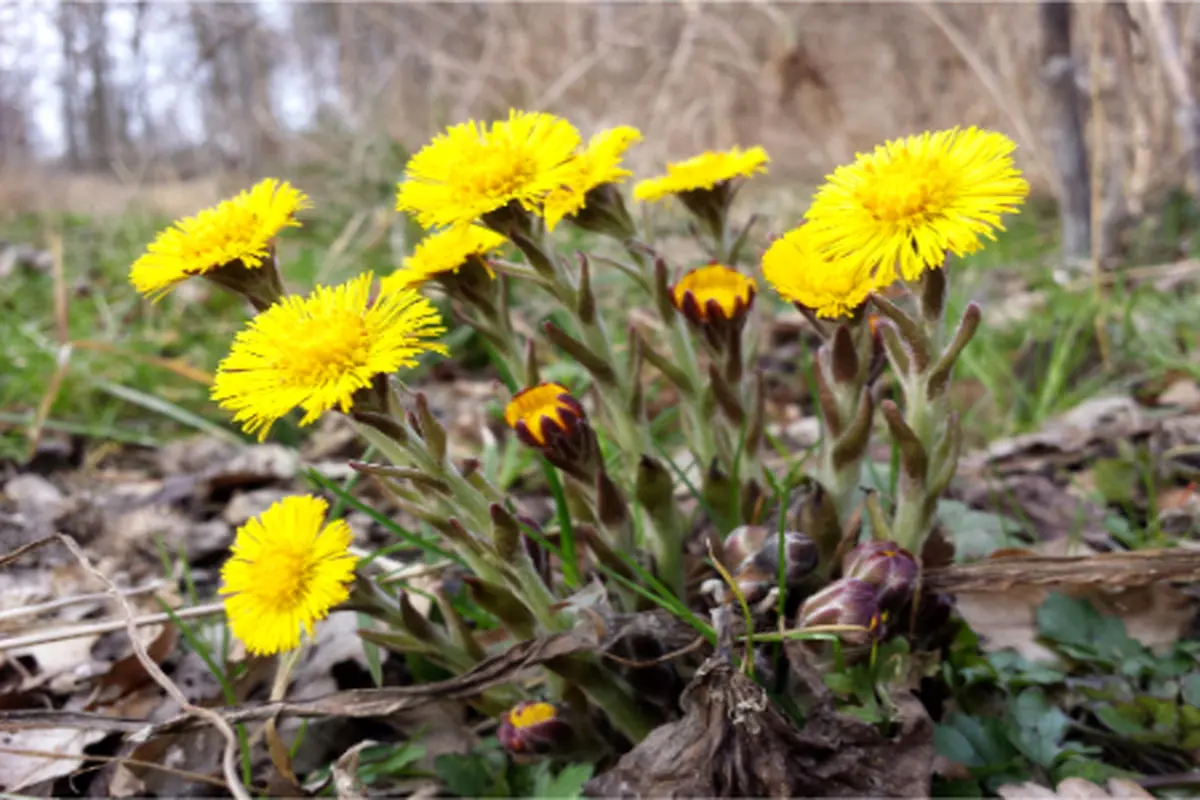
[{"x": 170, "y": 104}]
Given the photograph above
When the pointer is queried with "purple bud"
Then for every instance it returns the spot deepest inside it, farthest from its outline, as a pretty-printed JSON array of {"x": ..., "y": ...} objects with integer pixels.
[
  {"x": 743, "y": 543},
  {"x": 848, "y": 601},
  {"x": 888, "y": 567},
  {"x": 800, "y": 557},
  {"x": 535, "y": 729}
]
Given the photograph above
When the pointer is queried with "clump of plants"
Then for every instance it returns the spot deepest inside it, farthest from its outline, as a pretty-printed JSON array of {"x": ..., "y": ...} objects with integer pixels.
[{"x": 763, "y": 569}]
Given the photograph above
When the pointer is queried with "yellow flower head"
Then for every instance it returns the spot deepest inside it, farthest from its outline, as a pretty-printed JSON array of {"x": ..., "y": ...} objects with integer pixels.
[
  {"x": 473, "y": 169},
  {"x": 441, "y": 253},
  {"x": 713, "y": 293},
  {"x": 239, "y": 230},
  {"x": 704, "y": 171},
  {"x": 315, "y": 352},
  {"x": 903, "y": 207},
  {"x": 535, "y": 729},
  {"x": 599, "y": 164},
  {"x": 801, "y": 274},
  {"x": 287, "y": 570},
  {"x": 526, "y": 715},
  {"x": 535, "y": 412}
]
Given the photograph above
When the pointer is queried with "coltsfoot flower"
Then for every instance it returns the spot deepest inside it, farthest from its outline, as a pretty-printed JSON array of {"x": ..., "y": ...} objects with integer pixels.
[
  {"x": 535, "y": 729},
  {"x": 230, "y": 243},
  {"x": 445, "y": 253},
  {"x": 316, "y": 352},
  {"x": 580, "y": 194},
  {"x": 714, "y": 295},
  {"x": 705, "y": 172},
  {"x": 706, "y": 184},
  {"x": 548, "y": 418},
  {"x": 888, "y": 567},
  {"x": 473, "y": 170},
  {"x": 801, "y": 274},
  {"x": 287, "y": 570},
  {"x": 847, "y": 601},
  {"x": 904, "y": 206}
]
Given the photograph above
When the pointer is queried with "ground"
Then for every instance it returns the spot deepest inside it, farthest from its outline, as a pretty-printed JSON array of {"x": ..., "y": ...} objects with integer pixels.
[{"x": 1081, "y": 407}]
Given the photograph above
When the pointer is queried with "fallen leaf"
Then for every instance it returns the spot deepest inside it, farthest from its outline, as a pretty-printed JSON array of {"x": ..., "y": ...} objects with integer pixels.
[
  {"x": 733, "y": 742},
  {"x": 1073, "y": 789},
  {"x": 19, "y": 771}
]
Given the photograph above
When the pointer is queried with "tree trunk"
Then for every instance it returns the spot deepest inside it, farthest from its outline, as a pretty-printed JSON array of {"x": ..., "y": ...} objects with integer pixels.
[
  {"x": 1064, "y": 130},
  {"x": 1187, "y": 111}
]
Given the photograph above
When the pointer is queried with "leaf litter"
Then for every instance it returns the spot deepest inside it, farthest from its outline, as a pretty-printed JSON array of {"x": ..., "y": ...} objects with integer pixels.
[{"x": 186, "y": 499}]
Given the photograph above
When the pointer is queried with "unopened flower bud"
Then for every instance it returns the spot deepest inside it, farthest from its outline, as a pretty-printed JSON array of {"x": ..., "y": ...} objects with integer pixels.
[
  {"x": 715, "y": 300},
  {"x": 888, "y": 567},
  {"x": 800, "y": 557},
  {"x": 848, "y": 601},
  {"x": 742, "y": 543},
  {"x": 535, "y": 729},
  {"x": 547, "y": 418}
]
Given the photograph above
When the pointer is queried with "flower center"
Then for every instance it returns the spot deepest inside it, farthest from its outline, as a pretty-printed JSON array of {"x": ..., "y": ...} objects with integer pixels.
[
  {"x": 497, "y": 172},
  {"x": 906, "y": 189},
  {"x": 326, "y": 349},
  {"x": 283, "y": 576}
]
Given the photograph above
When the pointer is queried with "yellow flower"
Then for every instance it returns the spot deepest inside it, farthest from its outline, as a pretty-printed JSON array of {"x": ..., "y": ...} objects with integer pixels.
[
  {"x": 599, "y": 164},
  {"x": 713, "y": 293},
  {"x": 237, "y": 231},
  {"x": 801, "y": 274},
  {"x": 315, "y": 352},
  {"x": 903, "y": 207},
  {"x": 441, "y": 253},
  {"x": 535, "y": 728},
  {"x": 536, "y": 412},
  {"x": 472, "y": 169},
  {"x": 704, "y": 171},
  {"x": 287, "y": 570}
]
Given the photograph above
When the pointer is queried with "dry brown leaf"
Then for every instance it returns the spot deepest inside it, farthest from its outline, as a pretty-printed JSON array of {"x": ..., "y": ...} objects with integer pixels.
[
  {"x": 1003, "y": 609},
  {"x": 20, "y": 771},
  {"x": 128, "y": 674},
  {"x": 1183, "y": 394},
  {"x": 345, "y": 773},
  {"x": 353, "y": 703},
  {"x": 733, "y": 742},
  {"x": 1073, "y": 789}
]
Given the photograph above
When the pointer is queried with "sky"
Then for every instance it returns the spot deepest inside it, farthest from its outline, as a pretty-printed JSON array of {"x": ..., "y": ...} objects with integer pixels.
[{"x": 32, "y": 47}]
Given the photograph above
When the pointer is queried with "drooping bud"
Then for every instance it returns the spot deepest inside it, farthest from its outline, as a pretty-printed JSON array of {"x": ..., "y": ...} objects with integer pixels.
[
  {"x": 888, "y": 567},
  {"x": 535, "y": 729},
  {"x": 546, "y": 417},
  {"x": 847, "y": 601}
]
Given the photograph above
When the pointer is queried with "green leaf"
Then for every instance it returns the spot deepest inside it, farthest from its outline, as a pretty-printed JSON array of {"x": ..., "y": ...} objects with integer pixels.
[
  {"x": 469, "y": 775},
  {"x": 1040, "y": 727},
  {"x": 1084, "y": 633},
  {"x": 1189, "y": 687},
  {"x": 977, "y": 533},
  {"x": 1123, "y": 720},
  {"x": 568, "y": 783},
  {"x": 974, "y": 742}
]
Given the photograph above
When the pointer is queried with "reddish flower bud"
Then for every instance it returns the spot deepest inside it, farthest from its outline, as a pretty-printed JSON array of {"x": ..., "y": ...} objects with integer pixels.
[
  {"x": 546, "y": 417},
  {"x": 535, "y": 729},
  {"x": 848, "y": 601},
  {"x": 888, "y": 567},
  {"x": 715, "y": 300}
]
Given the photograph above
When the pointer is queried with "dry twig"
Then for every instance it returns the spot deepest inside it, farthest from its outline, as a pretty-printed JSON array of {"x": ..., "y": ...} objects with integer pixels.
[
  {"x": 1106, "y": 570},
  {"x": 229, "y": 759}
]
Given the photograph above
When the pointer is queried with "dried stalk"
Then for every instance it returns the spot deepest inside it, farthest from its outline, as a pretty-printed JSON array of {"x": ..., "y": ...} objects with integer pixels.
[{"x": 229, "y": 759}]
